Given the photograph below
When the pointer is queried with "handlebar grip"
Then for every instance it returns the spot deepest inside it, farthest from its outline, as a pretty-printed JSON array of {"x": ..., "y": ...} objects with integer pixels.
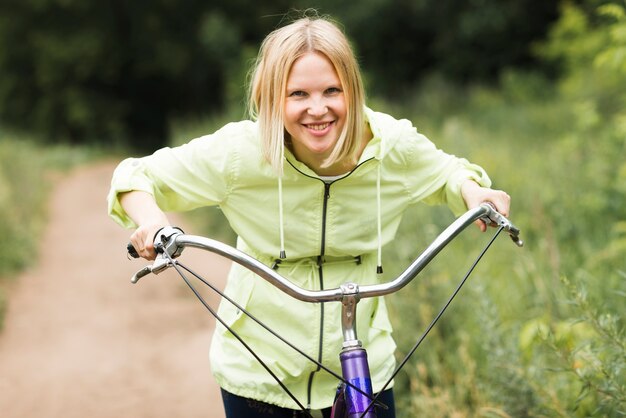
[{"x": 132, "y": 251}]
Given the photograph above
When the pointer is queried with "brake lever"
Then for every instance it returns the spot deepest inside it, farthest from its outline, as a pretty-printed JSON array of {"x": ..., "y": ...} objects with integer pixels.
[
  {"x": 158, "y": 265},
  {"x": 495, "y": 218},
  {"x": 163, "y": 244}
]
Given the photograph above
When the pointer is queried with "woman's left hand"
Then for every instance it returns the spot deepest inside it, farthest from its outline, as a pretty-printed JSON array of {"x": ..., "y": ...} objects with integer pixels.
[{"x": 475, "y": 195}]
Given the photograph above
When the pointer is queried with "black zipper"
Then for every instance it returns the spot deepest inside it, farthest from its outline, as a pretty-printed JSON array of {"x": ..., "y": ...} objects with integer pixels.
[
  {"x": 320, "y": 271},
  {"x": 320, "y": 262},
  {"x": 324, "y": 212}
]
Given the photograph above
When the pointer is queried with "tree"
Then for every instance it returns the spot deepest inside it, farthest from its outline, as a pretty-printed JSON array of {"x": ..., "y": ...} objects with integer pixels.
[
  {"x": 108, "y": 71},
  {"x": 118, "y": 71}
]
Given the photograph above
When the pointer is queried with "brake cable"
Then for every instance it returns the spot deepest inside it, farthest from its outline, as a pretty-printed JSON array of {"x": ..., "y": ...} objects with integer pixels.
[
  {"x": 435, "y": 320},
  {"x": 177, "y": 266}
]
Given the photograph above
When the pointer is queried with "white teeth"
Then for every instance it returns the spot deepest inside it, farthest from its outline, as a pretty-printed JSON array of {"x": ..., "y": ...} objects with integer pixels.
[{"x": 318, "y": 127}]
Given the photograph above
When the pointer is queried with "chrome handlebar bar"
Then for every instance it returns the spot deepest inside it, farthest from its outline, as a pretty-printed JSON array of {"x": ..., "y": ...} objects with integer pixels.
[{"x": 172, "y": 241}]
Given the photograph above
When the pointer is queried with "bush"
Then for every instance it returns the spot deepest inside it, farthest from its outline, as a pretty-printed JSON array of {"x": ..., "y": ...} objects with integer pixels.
[{"x": 522, "y": 340}]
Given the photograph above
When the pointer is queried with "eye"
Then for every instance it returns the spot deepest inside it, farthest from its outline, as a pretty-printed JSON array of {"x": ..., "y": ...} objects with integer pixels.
[
  {"x": 297, "y": 93},
  {"x": 333, "y": 90}
]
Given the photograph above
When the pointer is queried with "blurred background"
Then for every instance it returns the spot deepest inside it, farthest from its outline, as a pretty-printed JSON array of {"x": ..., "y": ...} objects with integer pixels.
[{"x": 532, "y": 90}]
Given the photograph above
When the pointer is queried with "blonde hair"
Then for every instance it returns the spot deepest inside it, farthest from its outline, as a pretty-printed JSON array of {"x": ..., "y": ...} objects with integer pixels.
[{"x": 280, "y": 49}]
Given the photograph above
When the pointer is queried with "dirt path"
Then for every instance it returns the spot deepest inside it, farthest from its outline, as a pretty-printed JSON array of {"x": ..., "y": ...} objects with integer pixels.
[{"x": 81, "y": 341}]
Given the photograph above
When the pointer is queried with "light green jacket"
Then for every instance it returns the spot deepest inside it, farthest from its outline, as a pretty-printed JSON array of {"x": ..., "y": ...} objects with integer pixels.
[{"x": 339, "y": 221}]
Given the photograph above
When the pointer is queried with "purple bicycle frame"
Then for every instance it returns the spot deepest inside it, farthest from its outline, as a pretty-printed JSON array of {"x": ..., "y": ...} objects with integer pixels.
[
  {"x": 355, "y": 396},
  {"x": 351, "y": 403}
]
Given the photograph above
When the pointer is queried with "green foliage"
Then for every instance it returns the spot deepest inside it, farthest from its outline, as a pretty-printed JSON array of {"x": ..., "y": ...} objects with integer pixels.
[
  {"x": 117, "y": 73},
  {"x": 527, "y": 341},
  {"x": 585, "y": 353},
  {"x": 112, "y": 72},
  {"x": 467, "y": 41}
]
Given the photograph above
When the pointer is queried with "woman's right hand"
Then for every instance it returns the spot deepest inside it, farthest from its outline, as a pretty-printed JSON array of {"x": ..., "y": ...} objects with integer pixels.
[
  {"x": 142, "y": 208},
  {"x": 143, "y": 240}
]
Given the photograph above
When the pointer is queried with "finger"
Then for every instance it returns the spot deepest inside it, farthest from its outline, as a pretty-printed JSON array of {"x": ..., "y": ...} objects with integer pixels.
[
  {"x": 147, "y": 248},
  {"x": 501, "y": 202},
  {"x": 144, "y": 247},
  {"x": 504, "y": 204},
  {"x": 149, "y": 255},
  {"x": 481, "y": 225},
  {"x": 146, "y": 253},
  {"x": 136, "y": 245}
]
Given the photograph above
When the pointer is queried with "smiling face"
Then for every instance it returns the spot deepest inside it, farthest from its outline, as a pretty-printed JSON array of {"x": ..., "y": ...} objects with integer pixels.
[{"x": 315, "y": 110}]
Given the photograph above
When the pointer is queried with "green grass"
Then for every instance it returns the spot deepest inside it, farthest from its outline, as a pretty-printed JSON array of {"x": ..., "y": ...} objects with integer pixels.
[
  {"x": 26, "y": 172},
  {"x": 537, "y": 331}
]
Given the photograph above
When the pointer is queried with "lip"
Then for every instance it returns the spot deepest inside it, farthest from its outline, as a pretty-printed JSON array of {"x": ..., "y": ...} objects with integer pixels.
[{"x": 319, "y": 132}]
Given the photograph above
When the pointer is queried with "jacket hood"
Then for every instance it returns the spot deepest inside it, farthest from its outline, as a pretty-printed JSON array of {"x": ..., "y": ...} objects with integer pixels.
[{"x": 386, "y": 133}]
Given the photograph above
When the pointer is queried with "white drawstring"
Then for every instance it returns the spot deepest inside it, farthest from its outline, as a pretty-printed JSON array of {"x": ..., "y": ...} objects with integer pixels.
[
  {"x": 282, "y": 255},
  {"x": 379, "y": 267},
  {"x": 280, "y": 218}
]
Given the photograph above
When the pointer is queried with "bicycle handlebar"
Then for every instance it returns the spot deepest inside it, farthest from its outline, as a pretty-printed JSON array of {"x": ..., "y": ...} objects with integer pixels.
[{"x": 172, "y": 241}]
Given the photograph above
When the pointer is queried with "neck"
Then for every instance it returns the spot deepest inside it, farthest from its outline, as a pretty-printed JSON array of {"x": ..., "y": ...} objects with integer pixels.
[
  {"x": 337, "y": 169},
  {"x": 340, "y": 167}
]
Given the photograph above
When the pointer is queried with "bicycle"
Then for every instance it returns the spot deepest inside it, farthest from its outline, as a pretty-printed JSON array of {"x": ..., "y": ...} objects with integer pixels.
[{"x": 354, "y": 397}]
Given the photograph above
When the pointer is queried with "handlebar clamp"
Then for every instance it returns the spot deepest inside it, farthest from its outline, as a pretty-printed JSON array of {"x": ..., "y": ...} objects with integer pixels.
[
  {"x": 163, "y": 241},
  {"x": 164, "y": 244}
]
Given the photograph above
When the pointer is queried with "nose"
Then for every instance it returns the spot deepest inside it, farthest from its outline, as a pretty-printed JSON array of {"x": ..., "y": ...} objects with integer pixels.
[{"x": 317, "y": 107}]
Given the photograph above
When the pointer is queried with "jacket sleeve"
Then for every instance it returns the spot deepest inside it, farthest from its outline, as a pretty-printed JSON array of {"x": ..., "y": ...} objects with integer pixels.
[
  {"x": 182, "y": 178},
  {"x": 436, "y": 177}
]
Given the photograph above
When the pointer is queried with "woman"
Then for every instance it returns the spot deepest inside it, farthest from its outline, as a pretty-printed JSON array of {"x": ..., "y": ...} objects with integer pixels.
[{"x": 314, "y": 184}]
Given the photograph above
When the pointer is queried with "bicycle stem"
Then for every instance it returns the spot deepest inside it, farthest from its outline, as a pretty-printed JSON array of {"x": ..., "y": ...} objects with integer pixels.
[{"x": 348, "y": 315}]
